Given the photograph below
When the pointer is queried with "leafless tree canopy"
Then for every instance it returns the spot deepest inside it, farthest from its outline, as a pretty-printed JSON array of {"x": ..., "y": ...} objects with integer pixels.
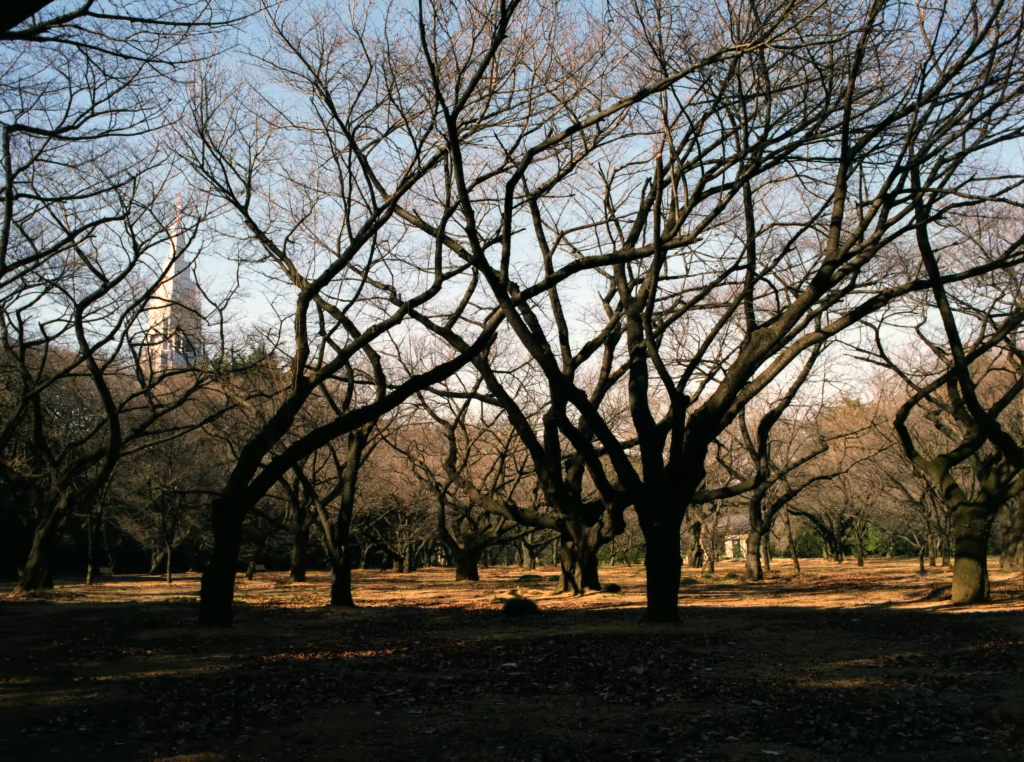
[{"x": 594, "y": 256}]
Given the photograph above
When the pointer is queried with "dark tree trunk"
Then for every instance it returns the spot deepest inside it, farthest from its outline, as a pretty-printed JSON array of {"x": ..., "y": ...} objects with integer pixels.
[
  {"x": 971, "y": 525},
  {"x": 91, "y": 567},
  {"x": 168, "y": 553},
  {"x": 931, "y": 550},
  {"x": 789, "y": 538},
  {"x": 570, "y": 580},
  {"x": 579, "y": 572},
  {"x": 467, "y": 566},
  {"x": 920, "y": 559},
  {"x": 217, "y": 589},
  {"x": 664, "y": 567},
  {"x": 250, "y": 568},
  {"x": 37, "y": 575},
  {"x": 588, "y": 569},
  {"x": 696, "y": 558},
  {"x": 1011, "y": 529},
  {"x": 299, "y": 554},
  {"x": 341, "y": 587},
  {"x": 766, "y": 553},
  {"x": 860, "y": 550},
  {"x": 754, "y": 571}
]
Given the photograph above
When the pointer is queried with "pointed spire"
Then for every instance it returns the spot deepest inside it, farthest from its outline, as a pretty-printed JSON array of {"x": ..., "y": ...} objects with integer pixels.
[{"x": 174, "y": 325}]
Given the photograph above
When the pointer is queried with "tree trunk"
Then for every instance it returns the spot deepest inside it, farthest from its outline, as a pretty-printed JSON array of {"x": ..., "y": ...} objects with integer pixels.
[
  {"x": 250, "y": 568},
  {"x": 789, "y": 539},
  {"x": 931, "y": 549},
  {"x": 753, "y": 557},
  {"x": 529, "y": 557},
  {"x": 696, "y": 558},
  {"x": 579, "y": 571},
  {"x": 217, "y": 589},
  {"x": 860, "y": 550},
  {"x": 970, "y": 566},
  {"x": 36, "y": 574},
  {"x": 341, "y": 586},
  {"x": 920, "y": 559},
  {"x": 588, "y": 568},
  {"x": 467, "y": 566},
  {"x": 664, "y": 567},
  {"x": 1011, "y": 530},
  {"x": 167, "y": 552},
  {"x": 299, "y": 554},
  {"x": 766, "y": 552},
  {"x": 570, "y": 579},
  {"x": 90, "y": 566}
]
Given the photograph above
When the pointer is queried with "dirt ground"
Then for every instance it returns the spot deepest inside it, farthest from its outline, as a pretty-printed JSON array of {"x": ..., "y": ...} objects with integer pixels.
[{"x": 839, "y": 663}]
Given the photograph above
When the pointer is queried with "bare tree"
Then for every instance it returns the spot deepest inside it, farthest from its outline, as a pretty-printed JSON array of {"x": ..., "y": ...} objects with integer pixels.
[
  {"x": 448, "y": 450},
  {"x": 315, "y": 186},
  {"x": 712, "y": 282}
]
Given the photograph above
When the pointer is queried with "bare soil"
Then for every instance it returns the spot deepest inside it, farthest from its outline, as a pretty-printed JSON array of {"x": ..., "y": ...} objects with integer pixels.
[{"x": 839, "y": 663}]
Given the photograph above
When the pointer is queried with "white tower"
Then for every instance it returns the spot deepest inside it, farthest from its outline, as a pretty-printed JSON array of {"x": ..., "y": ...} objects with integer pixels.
[{"x": 174, "y": 329}]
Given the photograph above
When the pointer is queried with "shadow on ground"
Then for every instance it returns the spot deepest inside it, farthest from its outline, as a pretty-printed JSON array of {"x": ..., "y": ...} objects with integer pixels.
[{"x": 130, "y": 681}]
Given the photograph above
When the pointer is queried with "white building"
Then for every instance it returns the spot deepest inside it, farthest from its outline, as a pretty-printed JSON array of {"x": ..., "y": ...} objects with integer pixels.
[{"x": 174, "y": 327}]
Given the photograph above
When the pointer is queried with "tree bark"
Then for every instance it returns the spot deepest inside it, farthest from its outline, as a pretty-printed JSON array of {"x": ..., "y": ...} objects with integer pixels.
[
  {"x": 91, "y": 567},
  {"x": 970, "y": 565},
  {"x": 1011, "y": 529},
  {"x": 696, "y": 556},
  {"x": 579, "y": 572},
  {"x": 467, "y": 566},
  {"x": 664, "y": 567},
  {"x": 167, "y": 553},
  {"x": 341, "y": 587},
  {"x": 217, "y": 589},
  {"x": 300, "y": 553},
  {"x": 36, "y": 574},
  {"x": 789, "y": 539},
  {"x": 754, "y": 572}
]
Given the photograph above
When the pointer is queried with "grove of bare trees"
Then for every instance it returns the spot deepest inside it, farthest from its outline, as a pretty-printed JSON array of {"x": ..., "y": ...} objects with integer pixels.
[{"x": 529, "y": 276}]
